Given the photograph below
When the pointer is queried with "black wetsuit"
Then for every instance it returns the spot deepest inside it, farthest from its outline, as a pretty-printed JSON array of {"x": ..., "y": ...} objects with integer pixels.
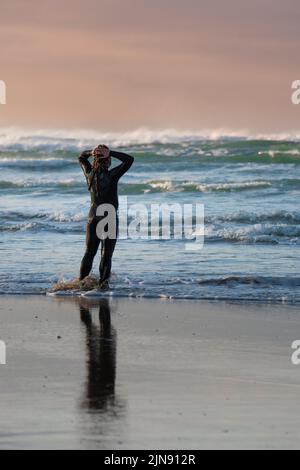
[{"x": 103, "y": 186}]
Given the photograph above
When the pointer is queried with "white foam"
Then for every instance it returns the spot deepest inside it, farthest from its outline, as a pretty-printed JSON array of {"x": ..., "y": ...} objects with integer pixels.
[
  {"x": 62, "y": 217},
  {"x": 230, "y": 186},
  {"x": 273, "y": 153},
  {"x": 24, "y": 139},
  {"x": 164, "y": 185}
]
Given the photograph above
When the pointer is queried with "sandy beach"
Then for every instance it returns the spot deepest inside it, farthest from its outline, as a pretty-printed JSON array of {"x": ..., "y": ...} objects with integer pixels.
[{"x": 157, "y": 375}]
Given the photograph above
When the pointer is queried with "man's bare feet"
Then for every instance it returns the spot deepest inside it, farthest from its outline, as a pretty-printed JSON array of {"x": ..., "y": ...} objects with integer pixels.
[{"x": 104, "y": 285}]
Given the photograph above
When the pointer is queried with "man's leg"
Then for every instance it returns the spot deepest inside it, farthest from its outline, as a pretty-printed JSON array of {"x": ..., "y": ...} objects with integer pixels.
[
  {"x": 92, "y": 245},
  {"x": 107, "y": 251}
]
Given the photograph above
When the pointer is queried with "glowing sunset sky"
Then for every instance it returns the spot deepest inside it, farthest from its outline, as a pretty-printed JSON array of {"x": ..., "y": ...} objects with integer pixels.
[{"x": 123, "y": 64}]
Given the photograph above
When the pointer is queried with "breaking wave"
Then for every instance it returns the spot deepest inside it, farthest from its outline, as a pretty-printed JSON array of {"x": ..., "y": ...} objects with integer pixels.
[{"x": 14, "y": 138}]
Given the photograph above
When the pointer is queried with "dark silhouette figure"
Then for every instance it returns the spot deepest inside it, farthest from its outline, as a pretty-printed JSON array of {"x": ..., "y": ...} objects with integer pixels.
[
  {"x": 103, "y": 186},
  {"x": 101, "y": 359}
]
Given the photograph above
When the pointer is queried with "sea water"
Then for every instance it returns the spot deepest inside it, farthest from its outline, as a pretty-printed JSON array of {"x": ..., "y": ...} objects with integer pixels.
[{"x": 249, "y": 186}]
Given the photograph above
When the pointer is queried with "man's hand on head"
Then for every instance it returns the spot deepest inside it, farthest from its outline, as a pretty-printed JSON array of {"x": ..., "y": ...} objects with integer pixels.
[
  {"x": 87, "y": 153},
  {"x": 101, "y": 151}
]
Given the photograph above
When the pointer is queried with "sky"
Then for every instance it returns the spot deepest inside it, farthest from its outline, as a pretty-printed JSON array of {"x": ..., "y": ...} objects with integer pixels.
[{"x": 118, "y": 65}]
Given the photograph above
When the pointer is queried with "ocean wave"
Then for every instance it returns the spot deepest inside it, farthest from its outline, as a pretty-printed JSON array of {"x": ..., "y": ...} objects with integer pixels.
[
  {"x": 44, "y": 216},
  {"x": 11, "y": 185},
  {"x": 59, "y": 222},
  {"x": 194, "y": 187},
  {"x": 259, "y": 281},
  {"x": 161, "y": 185},
  {"x": 152, "y": 186},
  {"x": 274, "y": 153},
  {"x": 21, "y": 227},
  {"x": 25, "y": 160},
  {"x": 22, "y": 139},
  {"x": 244, "y": 217},
  {"x": 41, "y": 227},
  {"x": 61, "y": 217},
  {"x": 67, "y": 183},
  {"x": 37, "y": 164},
  {"x": 26, "y": 139},
  {"x": 167, "y": 186},
  {"x": 255, "y": 234},
  {"x": 224, "y": 187}
]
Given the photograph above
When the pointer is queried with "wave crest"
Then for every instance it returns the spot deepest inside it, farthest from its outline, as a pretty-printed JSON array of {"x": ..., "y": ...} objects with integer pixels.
[{"x": 24, "y": 139}]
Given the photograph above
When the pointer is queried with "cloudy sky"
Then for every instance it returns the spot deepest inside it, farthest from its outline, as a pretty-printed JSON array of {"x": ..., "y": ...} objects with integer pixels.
[{"x": 123, "y": 64}]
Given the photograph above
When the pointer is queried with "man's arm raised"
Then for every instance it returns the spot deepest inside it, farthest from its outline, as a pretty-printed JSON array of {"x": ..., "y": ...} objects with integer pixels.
[
  {"x": 84, "y": 162},
  {"x": 127, "y": 161}
]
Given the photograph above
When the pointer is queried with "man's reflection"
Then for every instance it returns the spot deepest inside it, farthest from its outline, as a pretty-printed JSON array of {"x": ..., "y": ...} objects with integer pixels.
[{"x": 101, "y": 358}]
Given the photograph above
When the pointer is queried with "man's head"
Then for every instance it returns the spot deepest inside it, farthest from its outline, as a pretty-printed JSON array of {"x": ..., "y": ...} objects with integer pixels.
[{"x": 101, "y": 156}]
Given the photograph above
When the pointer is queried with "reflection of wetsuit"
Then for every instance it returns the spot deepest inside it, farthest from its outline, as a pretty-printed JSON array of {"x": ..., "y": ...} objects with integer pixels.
[
  {"x": 103, "y": 186},
  {"x": 102, "y": 357}
]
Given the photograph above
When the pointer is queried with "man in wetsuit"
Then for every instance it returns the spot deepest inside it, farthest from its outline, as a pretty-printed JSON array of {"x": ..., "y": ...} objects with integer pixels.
[{"x": 103, "y": 186}]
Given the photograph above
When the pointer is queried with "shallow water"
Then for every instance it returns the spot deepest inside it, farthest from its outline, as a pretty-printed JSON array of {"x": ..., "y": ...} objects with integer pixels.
[{"x": 249, "y": 187}]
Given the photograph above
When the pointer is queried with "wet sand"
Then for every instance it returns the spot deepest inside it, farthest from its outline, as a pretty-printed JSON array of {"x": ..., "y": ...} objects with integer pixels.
[{"x": 137, "y": 374}]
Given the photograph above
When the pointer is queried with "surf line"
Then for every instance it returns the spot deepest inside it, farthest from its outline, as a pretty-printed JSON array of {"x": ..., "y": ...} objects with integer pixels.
[{"x": 2, "y": 92}]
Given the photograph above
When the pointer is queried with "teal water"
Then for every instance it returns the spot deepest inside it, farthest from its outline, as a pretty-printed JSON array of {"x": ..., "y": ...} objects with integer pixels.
[{"x": 250, "y": 189}]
